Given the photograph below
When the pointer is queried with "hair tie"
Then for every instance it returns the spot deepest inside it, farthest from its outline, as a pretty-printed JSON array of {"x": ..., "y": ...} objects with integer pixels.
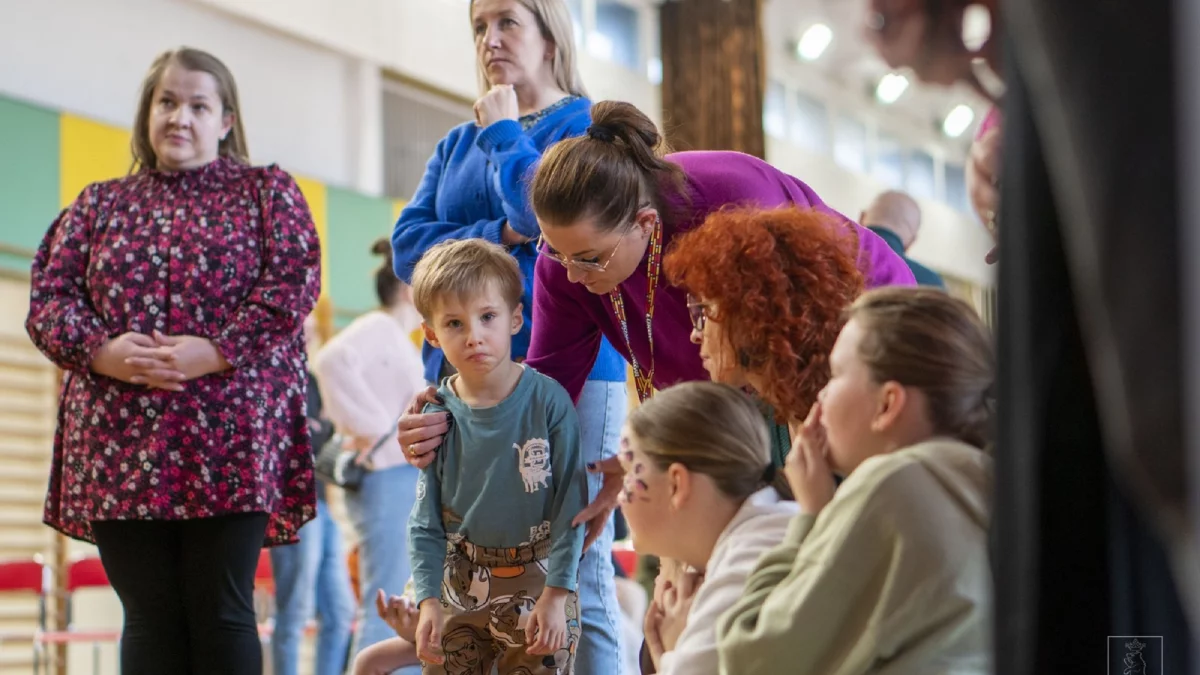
[
  {"x": 601, "y": 133},
  {"x": 768, "y": 474}
]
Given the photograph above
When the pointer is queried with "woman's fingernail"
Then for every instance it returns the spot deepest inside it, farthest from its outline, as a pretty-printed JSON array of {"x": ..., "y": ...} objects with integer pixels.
[{"x": 591, "y": 466}]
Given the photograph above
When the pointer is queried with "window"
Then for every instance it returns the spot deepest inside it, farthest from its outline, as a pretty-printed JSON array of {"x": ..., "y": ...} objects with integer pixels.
[
  {"x": 775, "y": 110},
  {"x": 921, "y": 175},
  {"x": 654, "y": 64},
  {"x": 850, "y": 144},
  {"x": 576, "y": 9},
  {"x": 810, "y": 124},
  {"x": 413, "y": 123},
  {"x": 956, "y": 187},
  {"x": 888, "y": 167},
  {"x": 616, "y": 37}
]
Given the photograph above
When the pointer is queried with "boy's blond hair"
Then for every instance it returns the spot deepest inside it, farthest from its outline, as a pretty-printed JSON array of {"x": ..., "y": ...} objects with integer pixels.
[{"x": 463, "y": 269}]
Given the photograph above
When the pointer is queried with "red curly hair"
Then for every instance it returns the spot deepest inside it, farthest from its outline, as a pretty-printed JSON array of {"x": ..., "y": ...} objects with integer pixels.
[{"x": 781, "y": 280}]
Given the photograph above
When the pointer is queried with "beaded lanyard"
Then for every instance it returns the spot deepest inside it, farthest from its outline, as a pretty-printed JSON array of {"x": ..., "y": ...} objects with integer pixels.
[{"x": 643, "y": 380}]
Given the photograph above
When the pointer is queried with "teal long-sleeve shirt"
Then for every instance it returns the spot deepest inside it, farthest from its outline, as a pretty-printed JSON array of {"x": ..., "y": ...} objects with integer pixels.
[{"x": 506, "y": 476}]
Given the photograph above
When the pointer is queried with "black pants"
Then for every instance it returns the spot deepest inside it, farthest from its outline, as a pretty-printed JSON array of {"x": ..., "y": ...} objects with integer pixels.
[{"x": 187, "y": 589}]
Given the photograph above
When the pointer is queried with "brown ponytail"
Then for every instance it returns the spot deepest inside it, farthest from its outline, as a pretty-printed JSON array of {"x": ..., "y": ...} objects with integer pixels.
[
  {"x": 387, "y": 286},
  {"x": 608, "y": 173},
  {"x": 924, "y": 338}
]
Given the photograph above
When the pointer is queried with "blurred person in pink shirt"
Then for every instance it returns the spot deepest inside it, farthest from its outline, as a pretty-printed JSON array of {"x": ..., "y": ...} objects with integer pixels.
[{"x": 368, "y": 373}]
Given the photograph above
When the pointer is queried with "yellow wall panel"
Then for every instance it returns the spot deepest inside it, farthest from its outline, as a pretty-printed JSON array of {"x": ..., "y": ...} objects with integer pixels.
[
  {"x": 89, "y": 151},
  {"x": 318, "y": 202},
  {"x": 397, "y": 207}
]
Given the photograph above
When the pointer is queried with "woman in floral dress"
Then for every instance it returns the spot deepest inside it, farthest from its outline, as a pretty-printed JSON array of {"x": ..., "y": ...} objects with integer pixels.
[{"x": 174, "y": 299}]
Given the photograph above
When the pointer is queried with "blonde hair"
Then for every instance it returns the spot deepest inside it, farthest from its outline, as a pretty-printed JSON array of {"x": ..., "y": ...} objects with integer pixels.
[
  {"x": 923, "y": 338},
  {"x": 712, "y": 429},
  {"x": 554, "y": 22},
  {"x": 464, "y": 269},
  {"x": 232, "y": 146}
]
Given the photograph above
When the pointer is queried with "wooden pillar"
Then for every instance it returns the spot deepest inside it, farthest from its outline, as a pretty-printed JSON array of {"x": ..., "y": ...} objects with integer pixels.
[{"x": 714, "y": 75}]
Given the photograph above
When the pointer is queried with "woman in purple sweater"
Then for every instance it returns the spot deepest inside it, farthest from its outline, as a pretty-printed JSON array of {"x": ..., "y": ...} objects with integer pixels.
[{"x": 609, "y": 204}]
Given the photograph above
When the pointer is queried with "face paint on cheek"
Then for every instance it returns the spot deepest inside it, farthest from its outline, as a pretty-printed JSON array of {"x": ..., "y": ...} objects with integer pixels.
[
  {"x": 629, "y": 485},
  {"x": 640, "y": 485}
]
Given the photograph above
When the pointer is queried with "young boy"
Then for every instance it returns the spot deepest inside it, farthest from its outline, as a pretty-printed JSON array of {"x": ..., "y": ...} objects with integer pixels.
[{"x": 494, "y": 555}]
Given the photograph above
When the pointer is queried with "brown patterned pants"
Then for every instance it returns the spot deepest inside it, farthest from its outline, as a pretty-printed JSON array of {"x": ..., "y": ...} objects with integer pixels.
[{"x": 488, "y": 595}]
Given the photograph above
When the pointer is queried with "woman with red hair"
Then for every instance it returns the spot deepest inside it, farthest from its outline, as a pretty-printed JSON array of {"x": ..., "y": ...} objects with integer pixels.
[{"x": 766, "y": 292}]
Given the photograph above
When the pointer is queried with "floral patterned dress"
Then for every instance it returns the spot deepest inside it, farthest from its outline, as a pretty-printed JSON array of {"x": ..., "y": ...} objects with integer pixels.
[{"x": 226, "y": 252}]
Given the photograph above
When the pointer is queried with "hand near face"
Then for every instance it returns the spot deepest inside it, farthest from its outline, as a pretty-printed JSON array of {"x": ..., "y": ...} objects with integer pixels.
[
  {"x": 807, "y": 465},
  {"x": 983, "y": 180},
  {"x": 667, "y": 617},
  {"x": 500, "y": 103}
]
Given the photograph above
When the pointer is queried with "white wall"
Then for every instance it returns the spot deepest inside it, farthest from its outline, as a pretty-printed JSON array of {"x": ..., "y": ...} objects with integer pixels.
[
  {"x": 89, "y": 57},
  {"x": 949, "y": 241},
  {"x": 306, "y": 69},
  {"x": 427, "y": 40}
]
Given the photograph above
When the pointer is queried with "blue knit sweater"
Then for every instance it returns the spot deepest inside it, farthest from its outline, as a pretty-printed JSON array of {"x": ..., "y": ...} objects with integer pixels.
[{"x": 476, "y": 180}]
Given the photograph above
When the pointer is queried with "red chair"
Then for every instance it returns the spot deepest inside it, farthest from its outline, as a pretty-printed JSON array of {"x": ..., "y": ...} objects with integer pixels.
[
  {"x": 263, "y": 576},
  {"x": 29, "y": 577},
  {"x": 83, "y": 573},
  {"x": 264, "y": 595},
  {"x": 86, "y": 572},
  {"x": 626, "y": 557}
]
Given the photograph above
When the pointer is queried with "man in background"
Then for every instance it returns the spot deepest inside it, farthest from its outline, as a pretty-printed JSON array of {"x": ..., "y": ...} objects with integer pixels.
[{"x": 896, "y": 218}]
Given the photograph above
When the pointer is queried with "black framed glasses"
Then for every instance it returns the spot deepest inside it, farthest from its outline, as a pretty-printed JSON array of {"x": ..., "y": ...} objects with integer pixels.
[{"x": 698, "y": 312}]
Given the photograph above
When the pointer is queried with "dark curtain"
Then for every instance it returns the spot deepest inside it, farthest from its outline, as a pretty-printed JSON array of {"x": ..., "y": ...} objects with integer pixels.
[{"x": 1090, "y": 474}]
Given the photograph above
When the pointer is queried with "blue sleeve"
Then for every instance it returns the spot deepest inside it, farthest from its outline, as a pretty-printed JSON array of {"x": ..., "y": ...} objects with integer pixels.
[
  {"x": 515, "y": 155},
  {"x": 570, "y": 492},
  {"x": 427, "y": 534},
  {"x": 419, "y": 228}
]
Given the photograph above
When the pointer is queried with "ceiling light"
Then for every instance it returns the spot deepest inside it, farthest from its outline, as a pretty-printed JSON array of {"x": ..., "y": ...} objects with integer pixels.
[
  {"x": 814, "y": 41},
  {"x": 976, "y": 27},
  {"x": 890, "y": 88},
  {"x": 958, "y": 120}
]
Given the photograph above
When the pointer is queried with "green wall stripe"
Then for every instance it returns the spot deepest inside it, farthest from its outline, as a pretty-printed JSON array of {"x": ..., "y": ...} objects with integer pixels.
[
  {"x": 29, "y": 189},
  {"x": 355, "y": 222}
]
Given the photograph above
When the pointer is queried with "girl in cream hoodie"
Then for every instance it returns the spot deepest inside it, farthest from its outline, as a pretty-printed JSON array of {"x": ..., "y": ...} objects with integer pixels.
[
  {"x": 889, "y": 574},
  {"x": 698, "y": 474}
]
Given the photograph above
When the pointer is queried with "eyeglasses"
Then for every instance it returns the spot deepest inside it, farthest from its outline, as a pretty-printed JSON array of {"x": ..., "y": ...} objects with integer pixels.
[
  {"x": 581, "y": 265},
  {"x": 698, "y": 312}
]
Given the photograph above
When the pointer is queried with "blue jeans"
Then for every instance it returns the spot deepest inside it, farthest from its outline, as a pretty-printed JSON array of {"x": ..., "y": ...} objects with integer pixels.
[
  {"x": 602, "y": 407},
  {"x": 312, "y": 576},
  {"x": 379, "y": 511}
]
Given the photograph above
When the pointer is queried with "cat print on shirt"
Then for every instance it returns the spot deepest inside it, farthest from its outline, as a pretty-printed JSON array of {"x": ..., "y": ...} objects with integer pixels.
[{"x": 533, "y": 461}]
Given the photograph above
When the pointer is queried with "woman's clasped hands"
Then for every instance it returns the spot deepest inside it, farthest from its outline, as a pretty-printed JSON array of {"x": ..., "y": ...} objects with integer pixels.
[{"x": 158, "y": 361}]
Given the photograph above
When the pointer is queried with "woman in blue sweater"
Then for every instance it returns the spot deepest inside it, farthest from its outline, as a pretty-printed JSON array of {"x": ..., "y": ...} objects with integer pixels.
[{"x": 475, "y": 185}]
